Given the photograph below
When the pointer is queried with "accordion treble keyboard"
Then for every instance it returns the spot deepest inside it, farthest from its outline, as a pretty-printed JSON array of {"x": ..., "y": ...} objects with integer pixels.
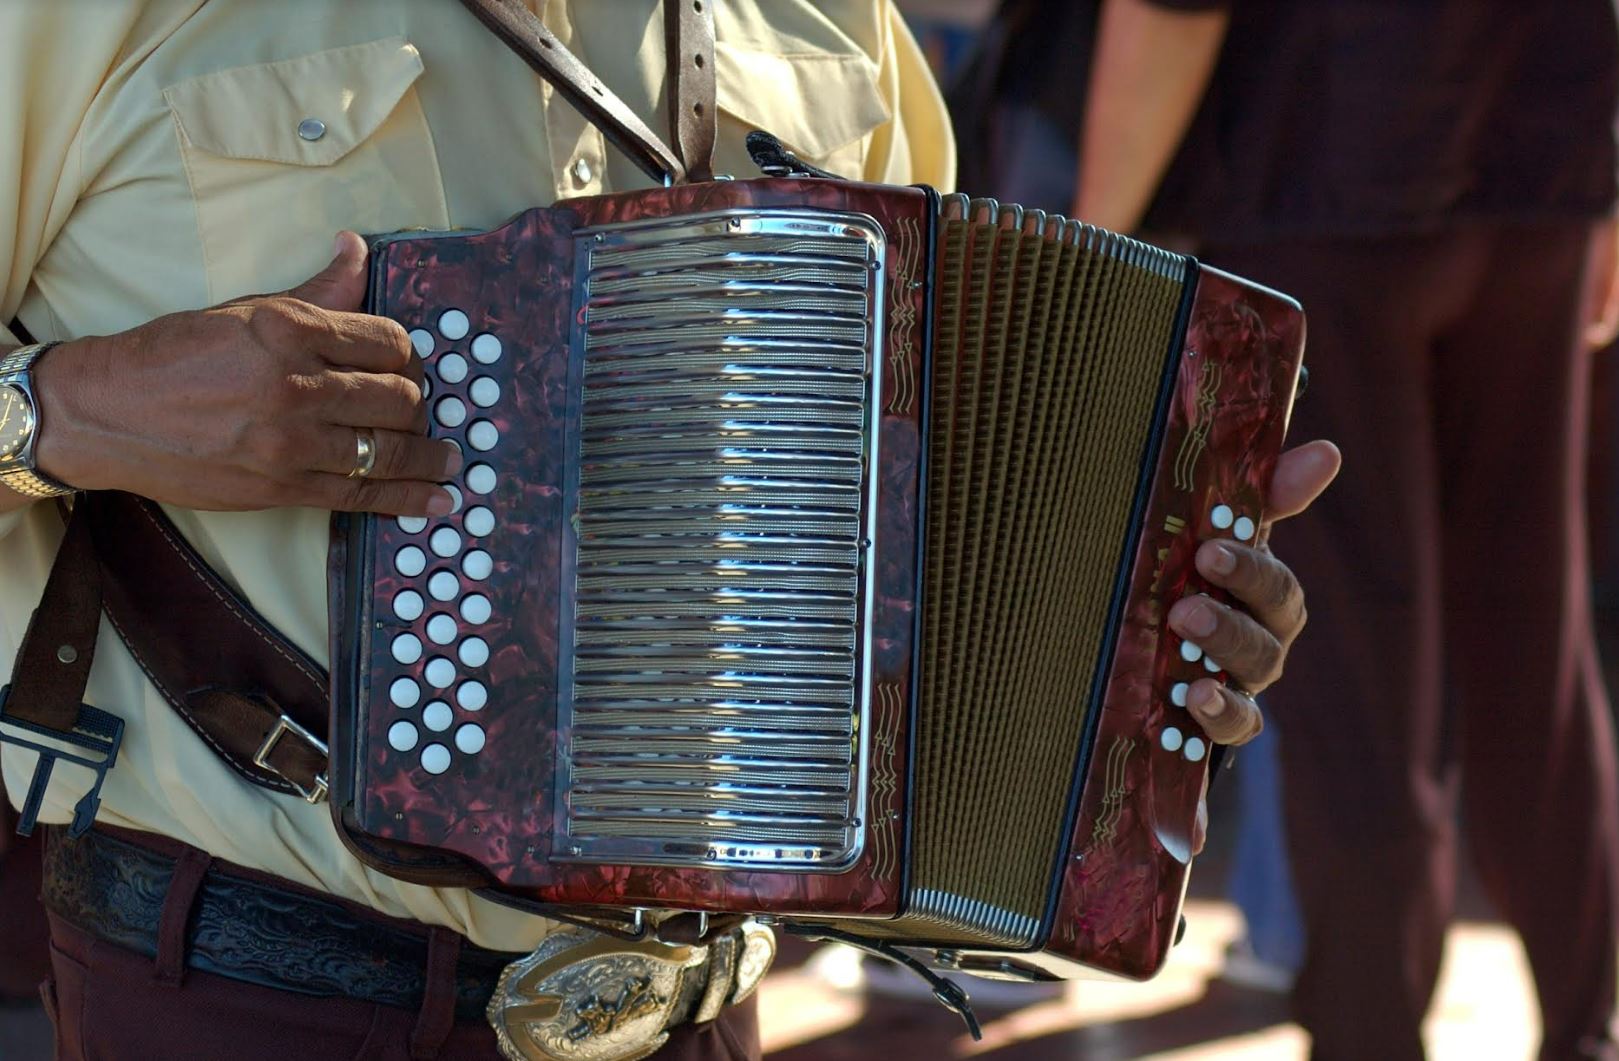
[{"x": 811, "y": 560}]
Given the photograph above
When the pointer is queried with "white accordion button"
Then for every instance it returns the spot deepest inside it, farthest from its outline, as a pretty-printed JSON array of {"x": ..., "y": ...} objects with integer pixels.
[
  {"x": 407, "y": 649},
  {"x": 443, "y": 586},
  {"x": 479, "y": 522},
  {"x": 481, "y": 479},
  {"x": 427, "y": 387},
  {"x": 440, "y": 673},
  {"x": 1243, "y": 528},
  {"x": 474, "y": 652},
  {"x": 412, "y": 524},
  {"x": 408, "y": 604},
  {"x": 476, "y": 609},
  {"x": 1195, "y": 749},
  {"x": 410, "y": 561},
  {"x": 435, "y": 758},
  {"x": 404, "y": 693},
  {"x": 401, "y": 736},
  {"x": 486, "y": 349},
  {"x": 1190, "y": 652},
  {"x": 469, "y": 738},
  {"x": 1222, "y": 516},
  {"x": 441, "y": 629},
  {"x": 1210, "y": 666},
  {"x": 450, "y": 412},
  {"x": 422, "y": 340},
  {"x": 1171, "y": 739},
  {"x": 478, "y": 565},
  {"x": 1177, "y": 693},
  {"x": 456, "y": 499},
  {"x": 484, "y": 392},
  {"x": 482, "y": 436},
  {"x": 472, "y": 696},
  {"x": 437, "y": 716},
  {"x": 452, "y": 368},
  {"x": 453, "y": 324},
  {"x": 445, "y": 542}
]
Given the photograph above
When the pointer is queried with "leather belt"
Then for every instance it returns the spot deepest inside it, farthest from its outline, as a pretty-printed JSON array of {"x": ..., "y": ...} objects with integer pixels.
[{"x": 580, "y": 995}]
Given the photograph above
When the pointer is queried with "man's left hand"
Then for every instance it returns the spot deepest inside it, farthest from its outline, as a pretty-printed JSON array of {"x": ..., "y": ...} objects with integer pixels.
[{"x": 1251, "y": 643}]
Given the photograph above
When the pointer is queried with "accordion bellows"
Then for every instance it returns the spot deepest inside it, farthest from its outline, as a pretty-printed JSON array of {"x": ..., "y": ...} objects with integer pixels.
[{"x": 812, "y": 560}]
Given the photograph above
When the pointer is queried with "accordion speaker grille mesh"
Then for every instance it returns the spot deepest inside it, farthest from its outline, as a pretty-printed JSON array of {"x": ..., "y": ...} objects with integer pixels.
[
  {"x": 1049, "y": 359},
  {"x": 716, "y": 691}
]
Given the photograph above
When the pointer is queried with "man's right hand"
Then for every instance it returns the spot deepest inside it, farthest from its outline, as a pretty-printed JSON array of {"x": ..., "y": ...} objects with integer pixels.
[{"x": 253, "y": 404}]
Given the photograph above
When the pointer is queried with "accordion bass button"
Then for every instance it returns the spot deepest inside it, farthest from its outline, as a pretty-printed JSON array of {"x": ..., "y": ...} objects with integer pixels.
[
  {"x": 472, "y": 696},
  {"x": 402, "y": 736},
  {"x": 443, "y": 586},
  {"x": 410, "y": 561},
  {"x": 474, "y": 652},
  {"x": 476, "y": 609},
  {"x": 480, "y": 522},
  {"x": 453, "y": 324},
  {"x": 1177, "y": 694},
  {"x": 407, "y": 649},
  {"x": 439, "y": 672},
  {"x": 450, "y": 412},
  {"x": 1190, "y": 653},
  {"x": 445, "y": 542},
  {"x": 484, "y": 392},
  {"x": 437, "y": 716},
  {"x": 1171, "y": 739},
  {"x": 422, "y": 340},
  {"x": 441, "y": 629},
  {"x": 486, "y": 349},
  {"x": 470, "y": 739},
  {"x": 435, "y": 758},
  {"x": 1222, "y": 516},
  {"x": 452, "y": 368},
  {"x": 1194, "y": 749},
  {"x": 404, "y": 693},
  {"x": 408, "y": 605},
  {"x": 412, "y": 524},
  {"x": 483, "y": 436},
  {"x": 481, "y": 479},
  {"x": 456, "y": 500},
  {"x": 1244, "y": 528},
  {"x": 478, "y": 565}
]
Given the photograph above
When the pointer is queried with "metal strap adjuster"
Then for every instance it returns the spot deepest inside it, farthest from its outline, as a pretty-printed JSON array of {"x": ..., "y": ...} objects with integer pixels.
[{"x": 261, "y": 758}]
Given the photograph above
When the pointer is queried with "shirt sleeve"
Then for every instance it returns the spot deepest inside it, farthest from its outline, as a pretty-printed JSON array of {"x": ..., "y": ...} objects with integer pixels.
[
  {"x": 1191, "y": 5},
  {"x": 54, "y": 58},
  {"x": 916, "y": 146}
]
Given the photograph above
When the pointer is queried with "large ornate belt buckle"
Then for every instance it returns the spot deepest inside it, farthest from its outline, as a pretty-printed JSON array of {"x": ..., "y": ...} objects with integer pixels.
[{"x": 587, "y": 997}]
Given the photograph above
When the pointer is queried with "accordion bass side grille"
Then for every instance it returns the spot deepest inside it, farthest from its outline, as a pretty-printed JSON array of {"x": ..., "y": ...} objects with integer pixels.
[{"x": 716, "y": 710}]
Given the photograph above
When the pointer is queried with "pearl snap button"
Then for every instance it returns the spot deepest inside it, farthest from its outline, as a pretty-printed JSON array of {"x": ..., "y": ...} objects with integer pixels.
[
  {"x": 311, "y": 128},
  {"x": 582, "y": 171}
]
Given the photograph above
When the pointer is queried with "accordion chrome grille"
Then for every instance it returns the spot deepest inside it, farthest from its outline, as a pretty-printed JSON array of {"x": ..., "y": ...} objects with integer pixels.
[{"x": 715, "y": 713}]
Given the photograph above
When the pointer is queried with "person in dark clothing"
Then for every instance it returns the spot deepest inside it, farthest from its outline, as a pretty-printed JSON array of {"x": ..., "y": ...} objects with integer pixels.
[{"x": 1434, "y": 180}]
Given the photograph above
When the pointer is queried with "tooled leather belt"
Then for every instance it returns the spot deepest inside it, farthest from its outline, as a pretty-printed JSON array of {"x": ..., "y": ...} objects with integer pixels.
[{"x": 285, "y": 938}]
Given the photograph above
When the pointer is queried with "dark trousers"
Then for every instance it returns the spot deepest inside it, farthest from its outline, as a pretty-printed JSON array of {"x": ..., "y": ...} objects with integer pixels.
[
  {"x": 24, "y": 959},
  {"x": 110, "y": 1003},
  {"x": 1449, "y": 668}
]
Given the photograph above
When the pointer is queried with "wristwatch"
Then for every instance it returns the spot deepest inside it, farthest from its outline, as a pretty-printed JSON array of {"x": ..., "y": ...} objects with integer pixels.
[{"x": 19, "y": 425}]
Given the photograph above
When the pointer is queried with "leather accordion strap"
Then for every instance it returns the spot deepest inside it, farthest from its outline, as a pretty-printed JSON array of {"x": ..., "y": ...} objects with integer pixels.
[
  {"x": 689, "y": 31},
  {"x": 689, "y": 44},
  {"x": 255, "y": 698}
]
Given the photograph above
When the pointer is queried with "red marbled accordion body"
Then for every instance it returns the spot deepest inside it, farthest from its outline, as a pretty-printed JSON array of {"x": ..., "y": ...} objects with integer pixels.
[{"x": 1119, "y": 895}]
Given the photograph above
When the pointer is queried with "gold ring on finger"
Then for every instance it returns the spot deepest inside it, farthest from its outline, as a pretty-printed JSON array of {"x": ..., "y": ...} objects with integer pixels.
[{"x": 365, "y": 454}]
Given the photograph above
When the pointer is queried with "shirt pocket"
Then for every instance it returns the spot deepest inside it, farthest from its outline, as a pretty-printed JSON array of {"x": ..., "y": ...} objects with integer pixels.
[
  {"x": 282, "y": 155},
  {"x": 823, "y": 106}
]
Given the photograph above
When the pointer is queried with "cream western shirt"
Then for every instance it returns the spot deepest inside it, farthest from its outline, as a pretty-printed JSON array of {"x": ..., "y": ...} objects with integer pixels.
[{"x": 150, "y": 161}]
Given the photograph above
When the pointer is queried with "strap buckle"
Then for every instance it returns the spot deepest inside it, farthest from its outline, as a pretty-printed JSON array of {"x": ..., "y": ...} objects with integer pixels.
[
  {"x": 98, "y": 732},
  {"x": 261, "y": 758}
]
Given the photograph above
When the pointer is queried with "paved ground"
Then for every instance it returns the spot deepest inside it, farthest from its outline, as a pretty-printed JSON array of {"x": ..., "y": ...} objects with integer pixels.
[{"x": 1484, "y": 1011}]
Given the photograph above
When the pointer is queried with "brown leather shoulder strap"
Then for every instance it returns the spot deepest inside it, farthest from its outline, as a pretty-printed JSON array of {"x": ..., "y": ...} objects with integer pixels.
[
  {"x": 689, "y": 44},
  {"x": 525, "y": 34}
]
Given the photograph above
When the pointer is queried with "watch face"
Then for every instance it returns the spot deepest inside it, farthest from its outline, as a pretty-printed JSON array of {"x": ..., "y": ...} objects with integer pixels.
[{"x": 16, "y": 422}]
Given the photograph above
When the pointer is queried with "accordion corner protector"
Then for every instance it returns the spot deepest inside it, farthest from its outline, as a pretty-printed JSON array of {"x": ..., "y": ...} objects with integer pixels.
[{"x": 811, "y": 556}]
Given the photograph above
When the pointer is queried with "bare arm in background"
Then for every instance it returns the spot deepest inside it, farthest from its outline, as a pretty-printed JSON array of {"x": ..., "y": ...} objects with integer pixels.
[{"x": 1151, "y": 68}]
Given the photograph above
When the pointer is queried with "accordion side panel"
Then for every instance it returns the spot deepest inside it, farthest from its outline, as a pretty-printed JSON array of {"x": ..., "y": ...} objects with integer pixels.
[
  {"x": 1125, "y": 873},
  {"x": 459, "y": 628}
]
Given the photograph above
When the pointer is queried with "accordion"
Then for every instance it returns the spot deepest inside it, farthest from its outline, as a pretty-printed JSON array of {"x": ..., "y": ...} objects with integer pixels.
[{"x": 811, "y": 560}]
